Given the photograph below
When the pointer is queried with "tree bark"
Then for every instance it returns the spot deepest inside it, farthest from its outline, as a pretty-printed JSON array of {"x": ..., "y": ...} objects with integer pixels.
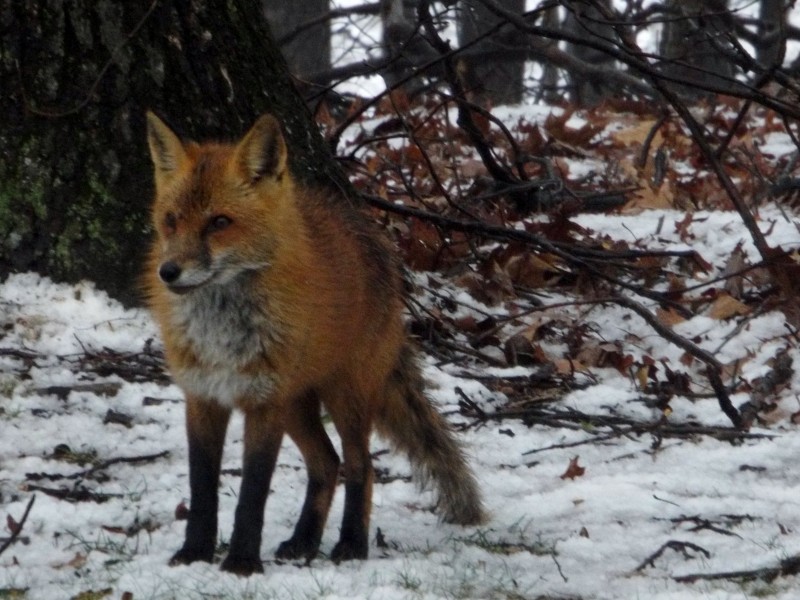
[
  {"x": 77, "y": 77},
  {"x": 309, "y": 52},
  {"x": 498, "y": 80},
  {"x": 691, "y": 45},
  {"x": 587, "y": 22},
  {"x": 771, "y": 32}
]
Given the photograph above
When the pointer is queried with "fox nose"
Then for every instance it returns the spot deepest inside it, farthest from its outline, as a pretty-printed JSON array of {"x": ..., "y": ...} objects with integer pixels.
[{"x": 169, "y": 271}]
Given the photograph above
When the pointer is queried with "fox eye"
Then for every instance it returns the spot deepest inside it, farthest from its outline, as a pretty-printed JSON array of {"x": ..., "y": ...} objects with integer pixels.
[
  {"x": 170, "y": 222},
  {"x": 219, "y": 222}
]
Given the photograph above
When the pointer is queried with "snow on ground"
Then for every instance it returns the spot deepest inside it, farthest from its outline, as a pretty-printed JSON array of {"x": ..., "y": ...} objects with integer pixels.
[{"x": 588, "y": 537}]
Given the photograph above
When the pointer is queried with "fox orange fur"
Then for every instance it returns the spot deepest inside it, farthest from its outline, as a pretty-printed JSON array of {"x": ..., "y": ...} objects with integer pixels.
[{"x": 276, "y": 299}]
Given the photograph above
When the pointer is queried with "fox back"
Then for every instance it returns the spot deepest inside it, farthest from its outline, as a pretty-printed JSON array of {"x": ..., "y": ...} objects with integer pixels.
[{"x": 276, "y": 299}]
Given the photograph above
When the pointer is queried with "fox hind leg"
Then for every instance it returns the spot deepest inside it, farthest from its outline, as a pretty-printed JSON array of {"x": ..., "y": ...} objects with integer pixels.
[
  {"x": 305, "y": 427},
  {"x": 352, "y": 420}
]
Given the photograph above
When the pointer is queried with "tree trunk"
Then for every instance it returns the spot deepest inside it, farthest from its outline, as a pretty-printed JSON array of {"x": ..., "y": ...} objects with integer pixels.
[
  {"x": 691, "y": 45},
  {"x": 309, "y": 52},
  {"x": 549, "y": 82},
  {"x": 588, "y": 22},
  {"x": 493, "y": 64},
  {"x": 75, "y": 177},
  {"x": 771, "y": 32}
]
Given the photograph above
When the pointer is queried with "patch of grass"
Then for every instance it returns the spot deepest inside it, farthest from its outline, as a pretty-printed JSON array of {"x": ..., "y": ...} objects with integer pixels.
[
  {"x": 409, "y": 580},
  {"x": 484, "y": 539},
  {"x": 117, "y": 547},
  {"x": 64, "y": 453},
  {"x": 8, "y": 383}
]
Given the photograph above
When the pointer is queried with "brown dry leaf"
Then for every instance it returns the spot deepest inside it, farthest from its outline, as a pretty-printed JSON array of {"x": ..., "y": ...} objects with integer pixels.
[
  {"x": 401, "y": 103},
  {"x": 568, "y": 366},
  {"x": 181, "y": 512},
  {"x": 604, "y": 354},
  {"x": 736, "y": 263},
  {"x": 466, "y": 324},
  {"x": 76, "y": 562},
  {"x": 518, "y": 350},
  {"x": 636, "y": 134},
  {"x": 532, "y": 330},
  {"x": 470, "y": 168},
  {"x": 643, "y": 376},
  {"x": 422, "y": 248},
  {"x": 532, "y": 271},
  {"x": 414, "y": 154},
  {"x": 726, "y": 306},
  {"x": 573, "y": 469},
  {"x": 578, "y": 137},
  {"x": 93, "y": 594},
  {"x": 669, "y": 316},
  {"x": 114, "y": 529},
  {"x": 648, "y": 197},
  {"x": 12, "y": 525},
  {"x": 682, "y": 227},
  {"x": 531, "y": 141}
]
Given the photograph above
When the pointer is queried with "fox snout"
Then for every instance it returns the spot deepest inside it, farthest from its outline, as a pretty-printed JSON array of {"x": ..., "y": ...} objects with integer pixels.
[
  {"x": 183, "y": 278},
  {"x": 169, "y": 272}
]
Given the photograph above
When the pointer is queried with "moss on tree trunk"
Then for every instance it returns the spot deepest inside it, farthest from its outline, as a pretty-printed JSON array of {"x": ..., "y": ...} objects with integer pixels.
[{"x": 75, "y": 181}]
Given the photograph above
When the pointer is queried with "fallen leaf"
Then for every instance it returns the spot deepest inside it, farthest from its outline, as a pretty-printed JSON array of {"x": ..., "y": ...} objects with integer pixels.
[
  {"x": 181, "y": 512},
  {"x": 669, "y": 316},
  {"x": 76, "y": 562},
  {"x": 726, "y": 306},
  {"x": 736, "y": 263},
  {"x": 12, "y": 525},
  {"x": 573, "y": 469},
  {"x": 637, "y": 134},
  {"x": 93, "y": 594}
]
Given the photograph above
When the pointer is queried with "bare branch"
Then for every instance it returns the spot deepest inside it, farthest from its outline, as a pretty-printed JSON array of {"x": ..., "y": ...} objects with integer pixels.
[{"x": 18, "y": 529}]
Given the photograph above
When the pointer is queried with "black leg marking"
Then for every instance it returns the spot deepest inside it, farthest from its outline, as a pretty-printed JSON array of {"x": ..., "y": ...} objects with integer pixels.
[{"x": 354, "y": 538}]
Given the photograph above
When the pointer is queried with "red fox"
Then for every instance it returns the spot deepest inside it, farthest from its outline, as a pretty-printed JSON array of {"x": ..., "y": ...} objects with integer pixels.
[{"x": 276, "y": 299}]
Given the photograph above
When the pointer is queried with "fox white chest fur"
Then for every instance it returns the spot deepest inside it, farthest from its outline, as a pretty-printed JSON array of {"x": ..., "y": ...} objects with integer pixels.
[{"x": 227, "y": 332}]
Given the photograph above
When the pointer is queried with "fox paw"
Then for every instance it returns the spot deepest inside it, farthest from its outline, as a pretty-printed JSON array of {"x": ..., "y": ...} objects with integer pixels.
[
  {"x": 349, "y": 550},
  {"x": 242, "y": 565},
  {"x": 297, "y": 548},
  {"x": 186, "y": 556}
]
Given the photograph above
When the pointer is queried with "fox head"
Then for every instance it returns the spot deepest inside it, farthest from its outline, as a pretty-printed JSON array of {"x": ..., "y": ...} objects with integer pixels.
[{"x": 215, "y": 203}]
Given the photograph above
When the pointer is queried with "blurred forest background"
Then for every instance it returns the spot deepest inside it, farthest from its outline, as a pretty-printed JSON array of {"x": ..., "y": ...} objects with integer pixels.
[{"x": 423, "y": 111}]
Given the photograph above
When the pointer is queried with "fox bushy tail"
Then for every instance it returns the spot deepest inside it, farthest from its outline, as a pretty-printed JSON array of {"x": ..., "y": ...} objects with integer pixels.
[{"x": 413, "y": 425}]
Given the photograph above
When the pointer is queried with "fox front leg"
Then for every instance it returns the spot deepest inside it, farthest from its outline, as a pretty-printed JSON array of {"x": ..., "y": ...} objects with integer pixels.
[
  {"x": 206, "y": 424},
  {"x": 262, "y": 441}
]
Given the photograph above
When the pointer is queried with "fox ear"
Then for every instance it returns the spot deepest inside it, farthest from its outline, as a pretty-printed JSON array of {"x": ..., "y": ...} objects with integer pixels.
[
  {"x": 166, "y": 148},
  {"x": 262, "y": 151}
]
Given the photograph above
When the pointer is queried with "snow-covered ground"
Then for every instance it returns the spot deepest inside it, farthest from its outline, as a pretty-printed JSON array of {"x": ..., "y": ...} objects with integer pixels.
[{"x": 723, "y": 506}]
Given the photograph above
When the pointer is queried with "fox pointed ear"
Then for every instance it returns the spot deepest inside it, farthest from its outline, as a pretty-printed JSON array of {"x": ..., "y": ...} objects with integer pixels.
[
  {"x": 166, "y": 148},
  {"x": 262, "y": 151}
]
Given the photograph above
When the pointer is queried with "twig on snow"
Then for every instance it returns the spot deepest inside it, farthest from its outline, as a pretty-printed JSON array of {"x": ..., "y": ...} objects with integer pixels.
[
  {"x": 788, "y": 566},
  {"x": 678, "y": 546},
  {"x": 18, "y": 529}
]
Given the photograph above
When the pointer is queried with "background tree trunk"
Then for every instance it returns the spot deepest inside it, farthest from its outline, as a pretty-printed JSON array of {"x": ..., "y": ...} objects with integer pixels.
[
  {"x": 75, "y": 178},
  {"x": 493, "y": 64},
  {"x": 587, "y": 22},
  {"x": 772, "y": 32},
  {"x": 691, "y": 43},
  {"x": 309, "y": 52}
]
